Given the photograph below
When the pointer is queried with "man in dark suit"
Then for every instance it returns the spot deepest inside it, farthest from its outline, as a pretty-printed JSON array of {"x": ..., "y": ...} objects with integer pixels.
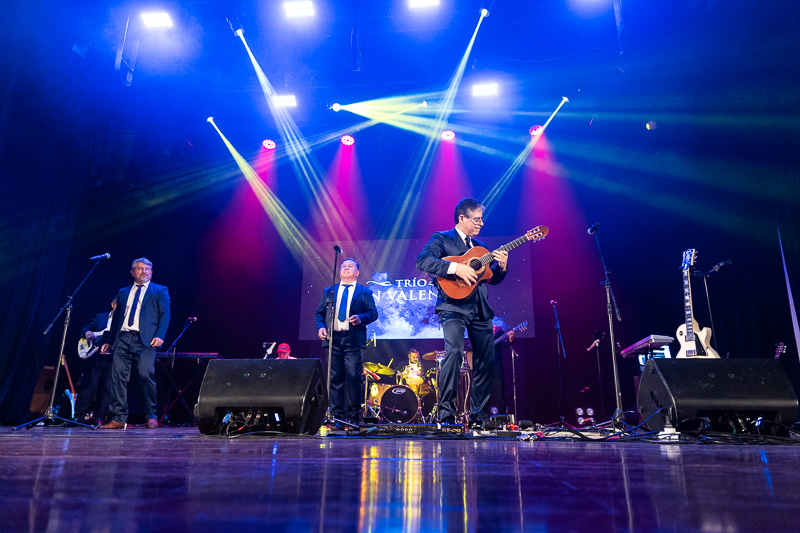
[
  {"x": 471, "y": 314},
  {"x": 95, "y": 369},
  {"x": 136, "y": 331},
  {"x": 356, "y": 308}
]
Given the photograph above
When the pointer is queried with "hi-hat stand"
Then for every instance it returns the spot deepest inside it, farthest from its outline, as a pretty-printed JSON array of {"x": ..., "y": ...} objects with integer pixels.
[{"x": 50, "y": 413}]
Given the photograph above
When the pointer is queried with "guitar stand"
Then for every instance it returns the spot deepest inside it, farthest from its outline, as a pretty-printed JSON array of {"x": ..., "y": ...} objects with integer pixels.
[{"x": 50, "y": 413}]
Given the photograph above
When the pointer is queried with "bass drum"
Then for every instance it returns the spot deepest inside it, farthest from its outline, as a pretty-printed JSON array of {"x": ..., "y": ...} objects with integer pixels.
[{"x": 399, "y": 405}]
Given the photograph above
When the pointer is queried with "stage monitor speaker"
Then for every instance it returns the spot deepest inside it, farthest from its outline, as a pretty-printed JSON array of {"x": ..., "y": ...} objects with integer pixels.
[
  {"x": 731, "y": 391},
  {"x": 286, "y": 395}
]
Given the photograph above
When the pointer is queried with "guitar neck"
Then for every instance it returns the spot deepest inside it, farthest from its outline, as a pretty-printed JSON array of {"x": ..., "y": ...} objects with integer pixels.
[
  {"x": 687, "y": 304},
  {"x": 488, "y": 258}
]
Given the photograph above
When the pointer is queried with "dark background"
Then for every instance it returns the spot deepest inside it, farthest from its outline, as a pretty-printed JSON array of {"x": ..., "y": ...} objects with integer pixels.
[{"x": 89, "y": 166}]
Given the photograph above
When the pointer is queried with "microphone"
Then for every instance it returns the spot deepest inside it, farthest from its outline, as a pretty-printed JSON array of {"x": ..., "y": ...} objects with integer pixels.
[
  {"x": 192, "y": 319},
  {"x": 593, "y": 228},
  {"x": 553, "y": 302},
  {"x": 722, "y": 264},
  {"x": 337, "y": 248},
  {"x": 101, "y": 256},
  {"x": 593, "y": 345}
]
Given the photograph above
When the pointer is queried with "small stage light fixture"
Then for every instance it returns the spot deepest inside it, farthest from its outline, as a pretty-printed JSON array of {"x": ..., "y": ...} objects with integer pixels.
[
  {"x": 157, "y": 19},
  {"x": 269, "y": 144},
  {"x": 448, "y": 135},
  {"x": 422, "y": 4},
  {"x": 348, "y": 140},
  {"x": 536, "y": 130},
  {"x": 287, "y": 100},
  {"x": 484, "y": 12},
  {"x": 210, "y": 120},
  {"x": 298, "y": 9},
  {"x": 651, "y": 125},
  {"x": 336, "y": 107},
  {"x": 484, "y": 89}
]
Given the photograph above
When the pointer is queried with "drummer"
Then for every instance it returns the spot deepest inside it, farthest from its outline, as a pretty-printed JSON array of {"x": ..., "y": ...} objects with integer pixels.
[{"x": 412, "y": 375}]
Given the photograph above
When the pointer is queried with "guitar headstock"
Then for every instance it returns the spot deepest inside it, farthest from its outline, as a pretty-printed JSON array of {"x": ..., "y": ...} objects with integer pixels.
[
  {"x": 521, "y": 326},
  {"x": 689, "y": 257},
  {"x": 537, "y": 233},
  {"x": 780, "y": 349}
]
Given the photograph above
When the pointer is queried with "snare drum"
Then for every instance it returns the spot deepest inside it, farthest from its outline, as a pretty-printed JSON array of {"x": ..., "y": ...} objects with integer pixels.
[{"x": 399, "y": 405}]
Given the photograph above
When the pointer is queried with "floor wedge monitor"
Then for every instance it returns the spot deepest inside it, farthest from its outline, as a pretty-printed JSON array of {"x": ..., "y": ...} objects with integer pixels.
[
  {"x": 262, "y": 395},
  {"x": 735, "y": 395}
]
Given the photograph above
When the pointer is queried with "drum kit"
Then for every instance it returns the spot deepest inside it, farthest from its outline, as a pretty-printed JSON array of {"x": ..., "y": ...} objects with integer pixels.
[{"x": 410, "y": 395}]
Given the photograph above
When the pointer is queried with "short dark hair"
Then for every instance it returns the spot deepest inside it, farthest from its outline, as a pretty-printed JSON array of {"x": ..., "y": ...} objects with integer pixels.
[
  {"x": 465, "y": 206},
  {"x": 354, "y": 261}
]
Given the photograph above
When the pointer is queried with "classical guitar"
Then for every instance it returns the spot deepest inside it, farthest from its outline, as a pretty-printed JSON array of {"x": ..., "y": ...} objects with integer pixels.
[
  {"x": 479, "y": 258},
  {"x": 522, "y": 326},
  {"x": 694, "y": 341}
]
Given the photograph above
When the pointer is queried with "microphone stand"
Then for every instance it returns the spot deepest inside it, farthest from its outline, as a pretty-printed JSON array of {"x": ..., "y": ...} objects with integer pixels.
[
  {"x": 561, "y": 352},
  {"x": 170, "y": 373},
  {"x": 333, "y": 308},
  {"x": 618, "y": 417},
  {"x": 514, "y": 355},
  {"x": 49, "y": 413},
  {"x": 705, "y": 275}
]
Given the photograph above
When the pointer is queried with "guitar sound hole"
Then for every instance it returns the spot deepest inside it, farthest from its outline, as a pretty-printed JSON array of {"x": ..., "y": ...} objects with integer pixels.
[{"x": 475, "y": 264}]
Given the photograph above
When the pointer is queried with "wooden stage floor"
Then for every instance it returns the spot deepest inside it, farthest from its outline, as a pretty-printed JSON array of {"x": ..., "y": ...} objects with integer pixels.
[{"x": 175, "y": 479}]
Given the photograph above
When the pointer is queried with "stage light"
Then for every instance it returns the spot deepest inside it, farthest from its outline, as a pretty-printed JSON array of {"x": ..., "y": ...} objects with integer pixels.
[
  {"x": 484, "y": 12},
  {"x": 422, "y": 4},
  {"x": 336, "y": 107},
  {"x": 448, "y": 135},
  {"x": 484, "y": 89},
  {"x": 239, "y": 32},
  {"x": 210, "y": 120},
  {"x": 157, "y": 19},
  {"x": 269, "y": 144},
  {"x": 536, "y": 130},
  {"x": 348, "y": 140},
  {"x": 287, "y": 100},
  {"x": 589, "y": 411},
  {"x": 651, "y": 125},
  {"x": 579, "y": 411},
  {"x": 299, "y": 9}
]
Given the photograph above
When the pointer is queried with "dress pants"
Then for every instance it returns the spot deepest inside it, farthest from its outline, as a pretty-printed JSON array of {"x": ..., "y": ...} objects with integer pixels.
[
  {"x": 95, "y": 377},
  {"x": 346, "y": 378},
  {"x": 130, "y": 351},
  {"x": 480, "y": 335}
]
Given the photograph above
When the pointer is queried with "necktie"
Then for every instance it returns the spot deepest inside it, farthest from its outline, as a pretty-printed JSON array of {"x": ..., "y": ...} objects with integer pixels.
[
  {"x": 468, "y": 241},
  {"x": 343, "y": 304},
  {"x": 134, "y": 305}
]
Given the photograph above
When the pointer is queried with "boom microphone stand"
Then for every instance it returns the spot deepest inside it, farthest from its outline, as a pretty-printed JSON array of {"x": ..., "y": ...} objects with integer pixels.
[
  {"x": 618, "y": 412},
  {"x": 333, "y": 308},
  {"x": 561, "y": 352},
  {"x": 705, "y": 275},
  {"x": 49, "y": 413}
]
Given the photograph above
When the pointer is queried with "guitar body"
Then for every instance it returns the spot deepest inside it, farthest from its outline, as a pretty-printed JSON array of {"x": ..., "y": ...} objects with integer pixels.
[
  {"x": 455, "y": 287},
  {"x": 86, "y": 347},
  {"x": 699, "y": 347}
]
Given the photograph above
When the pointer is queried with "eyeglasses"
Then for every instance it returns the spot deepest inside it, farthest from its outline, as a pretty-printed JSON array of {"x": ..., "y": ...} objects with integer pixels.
[{"x": 476, "y": 220}]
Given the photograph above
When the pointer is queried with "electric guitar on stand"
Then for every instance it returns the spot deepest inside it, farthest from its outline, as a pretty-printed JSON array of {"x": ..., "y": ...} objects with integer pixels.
[
  {"x": 479, "y": 258},
  {"x": 694, "y": 341}
]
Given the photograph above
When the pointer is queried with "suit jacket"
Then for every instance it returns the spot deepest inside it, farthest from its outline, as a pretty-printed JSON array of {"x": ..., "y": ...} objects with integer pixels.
[
  {"x": 362, "y": 304},
  {"x": 448, "y": 243},
  {"x": 98, "y": 323},
  {"x": 153, "y": 317}
]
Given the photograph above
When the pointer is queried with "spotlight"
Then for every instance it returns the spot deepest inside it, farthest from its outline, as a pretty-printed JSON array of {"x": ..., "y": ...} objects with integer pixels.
[
  {"x": 298, "y": 9},
  {"x": 422, "y": 4},
  {"x": 484, "y": 12},
  {"x": 348, "y": 140},
  {"x": 157, "y": 19},
  {"x": 210, "y": 120},
  {"x": 579, "y": 411},
  {"x": 287, "y": 100},
  {"x": 589, "y": 411},
  {"x": 484, "y": 89},
  {"x": 336, "y": 107},
  {"x": 536, "y": 130},
  {"x": 424, "y": 103},
  {"x": 239, "y": 32},
  {"x": 269, "y": 144},
  {"x": 448, "y": 135},
  {"x": 651, "y": 125}
]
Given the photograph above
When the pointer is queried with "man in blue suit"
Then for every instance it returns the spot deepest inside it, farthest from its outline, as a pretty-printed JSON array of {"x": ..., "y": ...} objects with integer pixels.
[
  {"x": 136, "y": 331},
  {"x": 471, "y": 314},
  {"x": 356, "y": 308}
]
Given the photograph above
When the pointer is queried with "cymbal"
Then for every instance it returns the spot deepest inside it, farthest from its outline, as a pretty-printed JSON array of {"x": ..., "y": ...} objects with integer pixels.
[
  {"x": 431, "y": 356},
  {"x": 379, "y": 369}
]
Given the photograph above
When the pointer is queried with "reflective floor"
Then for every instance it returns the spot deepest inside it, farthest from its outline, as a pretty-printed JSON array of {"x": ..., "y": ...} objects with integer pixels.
[{"x": 174, "y": 479}]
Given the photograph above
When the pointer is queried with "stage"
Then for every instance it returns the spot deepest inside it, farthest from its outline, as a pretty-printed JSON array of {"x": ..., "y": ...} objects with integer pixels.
[{"x": 173, "y": 479}]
